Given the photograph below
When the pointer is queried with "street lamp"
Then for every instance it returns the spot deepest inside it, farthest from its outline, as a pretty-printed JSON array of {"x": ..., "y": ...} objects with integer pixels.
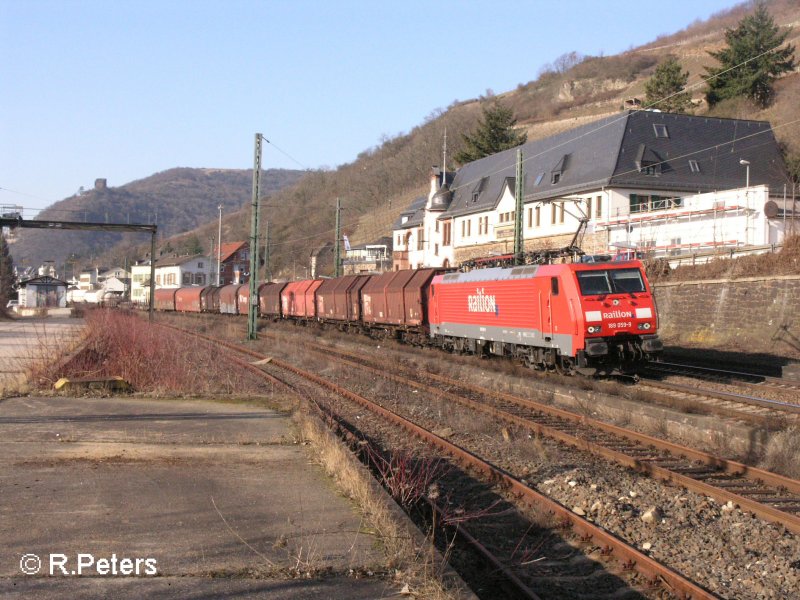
[{"x": 746, "y": 165}]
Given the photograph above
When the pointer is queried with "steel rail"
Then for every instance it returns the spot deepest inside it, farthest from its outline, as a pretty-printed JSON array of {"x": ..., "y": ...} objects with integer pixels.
[
  {"x": 723, "y": 466},
  {"x": 778, "y": 405},
  {"x": 753, "y": 379},
  {"x": 333, "y": 420},
  {"x": 647, "y": 467},
  {"x": 630, "y": 558}
]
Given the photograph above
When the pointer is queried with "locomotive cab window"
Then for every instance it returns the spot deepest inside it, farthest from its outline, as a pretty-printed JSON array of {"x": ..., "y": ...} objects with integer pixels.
[{"x": 614, "y": 281}]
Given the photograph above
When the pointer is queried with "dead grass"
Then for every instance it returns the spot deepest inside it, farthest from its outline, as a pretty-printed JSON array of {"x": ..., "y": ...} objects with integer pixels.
[
  {"x": 783, "y": 453},
  {"x": 784, "y": 262},
  {"x": 415, "y": 566},
  {"x": 151, "y": 359}
]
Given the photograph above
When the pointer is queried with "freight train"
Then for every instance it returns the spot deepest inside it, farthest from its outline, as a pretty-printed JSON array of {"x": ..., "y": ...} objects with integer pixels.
[{"x": 593, "y": 319}]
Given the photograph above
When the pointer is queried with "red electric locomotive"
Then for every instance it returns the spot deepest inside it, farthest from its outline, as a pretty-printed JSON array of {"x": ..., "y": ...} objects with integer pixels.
[{"x": 590, "y": 318}]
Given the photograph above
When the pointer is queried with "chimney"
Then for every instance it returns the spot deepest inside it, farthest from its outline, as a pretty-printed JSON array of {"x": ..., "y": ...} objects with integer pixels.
[
  {"x": 100, "y": 184},
  {"x": 435, "y": 172}
]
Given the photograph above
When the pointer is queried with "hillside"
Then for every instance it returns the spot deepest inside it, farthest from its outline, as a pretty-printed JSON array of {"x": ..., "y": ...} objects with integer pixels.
[
  {"x": 382, "y": 180},
  {"x": 177, "y": 200}
]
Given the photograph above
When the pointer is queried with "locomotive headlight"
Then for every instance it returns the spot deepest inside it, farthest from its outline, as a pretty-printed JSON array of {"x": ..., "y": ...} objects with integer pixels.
[
  {"x": 644, "y": 325},
  {"x": 593, "y": 329}
]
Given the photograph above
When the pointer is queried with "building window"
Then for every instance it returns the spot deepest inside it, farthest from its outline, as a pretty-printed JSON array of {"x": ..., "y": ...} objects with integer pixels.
[
  {"x": 539, "y": 178},
  {"x": 187, "y": 279},
  {"x": 538, "y": 216},
  {"x": 694, "y": 166},
  {"x": 480, "y": 225},
  {"x": 555, "y": 177},
  {"x": 661, "y": 130},
  {"x": 599, "y": 207},
  {"x": 464, "y": 228},
  {"x": 420, "y": 241},
  {"x": 589, "y": 207},
  {"x": 561, "y": 213},
  {"x": 200, "y": 279},
  {"x": 530, "y": 218},
  {"x": 649, "y": 169},
  {"x": 553, "y": 213},
  {"x": 446, "y": 234},
  {"x": 469, "y": 227}
]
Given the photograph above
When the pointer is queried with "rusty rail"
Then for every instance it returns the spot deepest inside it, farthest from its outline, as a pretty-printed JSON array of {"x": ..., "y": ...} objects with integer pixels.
[{"x": 655, "y": 573}]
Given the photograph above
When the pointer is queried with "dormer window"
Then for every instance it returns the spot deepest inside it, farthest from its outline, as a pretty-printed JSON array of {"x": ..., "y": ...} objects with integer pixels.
[
  {"x": 647, "y": 161},
  {"x": 661, "y": 130},
  {"x": 558, "y": 170},
  {"x": 476, "y": 191}
]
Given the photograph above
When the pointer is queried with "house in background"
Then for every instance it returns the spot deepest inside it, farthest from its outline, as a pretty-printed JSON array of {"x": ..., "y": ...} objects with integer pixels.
[
  {"x": 375, "y": 257},
  {"x": 171, "y": 272},
  {"x": 639, "y": 177},
  {"x": 234, "y": 263},
  {"x": 42, "y": 292}
]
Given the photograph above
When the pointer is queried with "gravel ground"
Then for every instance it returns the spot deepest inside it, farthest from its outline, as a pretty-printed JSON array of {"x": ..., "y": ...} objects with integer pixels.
[{"x": 720, "y": 547}]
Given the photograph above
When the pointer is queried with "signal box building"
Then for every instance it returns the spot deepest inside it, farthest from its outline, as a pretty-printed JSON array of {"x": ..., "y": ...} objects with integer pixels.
[
  {"x": 667, "y": 183},
  {"x": 43, "y": 292}
]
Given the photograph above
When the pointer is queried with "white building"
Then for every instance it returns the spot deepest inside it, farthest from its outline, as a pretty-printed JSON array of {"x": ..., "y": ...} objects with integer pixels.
[
  {"x": 669, "y": 183},
  {"x": 172, "y": 272}
]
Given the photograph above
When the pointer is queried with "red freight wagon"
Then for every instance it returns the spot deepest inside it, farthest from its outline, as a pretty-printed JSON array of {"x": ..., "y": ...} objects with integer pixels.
[
  {"x": 352, "y": 296},
  {"x": 228, "y": 299},
  {"x": 373, "y": 298},
  {"x": 415, "y": 296},
  {"x": 269, "y": 299},
  {"x": 164, "y": 299},
  {"x": 242, "y": 298},
  {"x": 187, "y": 299},
  {"x": 561, "y": 315},
  {"x": 297, "y": 298},
  {"x": 338, "y": 300},
  {"x": 395, "y": 300},
  {"x": 209, "y": 299},
  {"x": 326, "y": 303}
]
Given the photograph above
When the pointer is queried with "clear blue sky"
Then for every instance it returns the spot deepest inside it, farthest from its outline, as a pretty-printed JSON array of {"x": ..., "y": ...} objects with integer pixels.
[{"x": 125, "y": 88}]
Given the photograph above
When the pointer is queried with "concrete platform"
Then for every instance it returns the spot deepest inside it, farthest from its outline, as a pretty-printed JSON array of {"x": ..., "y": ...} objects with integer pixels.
[
  {"x": 219, "y": 496},
  {"x": 28, "y": 340}
]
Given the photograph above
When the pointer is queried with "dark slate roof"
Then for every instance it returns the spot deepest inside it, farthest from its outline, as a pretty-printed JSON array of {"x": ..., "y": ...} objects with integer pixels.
[
  {"x": 174, "y": 261},
  {"x": 717, "y": 145},
  {"x": 415, "y": 213},
  {"x": 606, "y": 153}
]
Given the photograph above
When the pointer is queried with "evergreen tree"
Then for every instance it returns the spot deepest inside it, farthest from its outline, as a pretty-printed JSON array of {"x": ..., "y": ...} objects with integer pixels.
[
  {"x": 495, "y": 132},
  {"x": 6, "y": 274},
  {"x": 663, "y": 89},
  {"x": 756, "y": 35}
]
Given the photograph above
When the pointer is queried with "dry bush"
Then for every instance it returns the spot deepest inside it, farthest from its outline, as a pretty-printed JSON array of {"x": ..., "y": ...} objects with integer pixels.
[
  {"x": 783, "y": 453},
  {"x": 152, "y": 359},
  {"x": 784, "y": 262}
]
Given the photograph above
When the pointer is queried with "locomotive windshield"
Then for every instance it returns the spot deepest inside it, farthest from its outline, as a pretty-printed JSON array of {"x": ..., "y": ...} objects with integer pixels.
[{"x": 610, "y": 281}]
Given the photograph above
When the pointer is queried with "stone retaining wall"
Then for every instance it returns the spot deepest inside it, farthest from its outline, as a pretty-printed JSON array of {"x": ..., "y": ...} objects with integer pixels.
[{"x": 754, "y": 315}]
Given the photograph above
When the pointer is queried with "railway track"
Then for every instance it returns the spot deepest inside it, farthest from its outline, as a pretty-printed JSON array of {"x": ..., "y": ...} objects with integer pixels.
[
  {"x": 624, "y": 558},
  {"x": 770, "y": 496},
  {"x": 737, "y": 378}
]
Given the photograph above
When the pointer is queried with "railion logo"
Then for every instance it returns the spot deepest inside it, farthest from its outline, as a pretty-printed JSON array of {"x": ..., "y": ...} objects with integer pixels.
[
  {"x": 618, "y": 314},
  {"x": 481, "y": 302}
]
